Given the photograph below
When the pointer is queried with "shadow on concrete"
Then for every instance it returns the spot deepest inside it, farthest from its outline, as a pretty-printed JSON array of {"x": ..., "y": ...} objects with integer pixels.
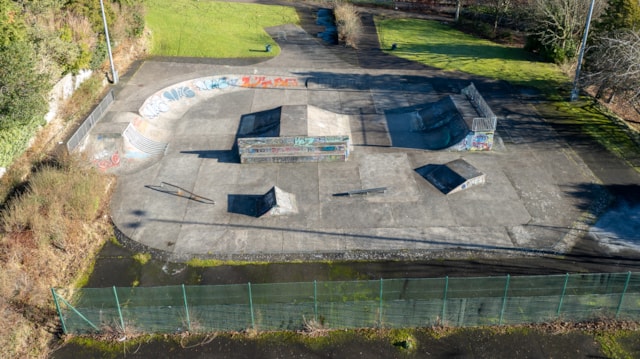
[
  {"x": 319, "y": 80},
  {"x": 251, "y": 204},
  {"x": 617, "y": 209},
  {"x": 245, "y": 204},
  {"x": 260, "y": 124},
  {"x": 432, "y": 127},
  {"x": 223, "y": 156}
]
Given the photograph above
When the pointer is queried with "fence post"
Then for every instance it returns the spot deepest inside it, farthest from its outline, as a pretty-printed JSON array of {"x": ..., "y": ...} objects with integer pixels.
[
  {"x": 380, "y": 306},
  {"x": 626, "y": 285},
  {"x": 115, "y": 294},
  {"x": 315, "y": 300},
  {"x": 80, "y": 314},
  {"x": 564, "y": 290},
  {"x": 186, "y": 307},
  {"x": 253, "y": 322},
  {"x": 504, "y": 299},
  {"x": 444, "y": 300},
  {"x": 55, "y": 300}
]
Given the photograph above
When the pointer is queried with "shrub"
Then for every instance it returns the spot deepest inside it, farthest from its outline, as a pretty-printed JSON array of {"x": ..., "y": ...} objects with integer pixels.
[{"x": 348, "y": 22}]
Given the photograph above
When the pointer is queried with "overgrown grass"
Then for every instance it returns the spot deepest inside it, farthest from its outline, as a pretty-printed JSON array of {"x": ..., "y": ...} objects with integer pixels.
[
  {"x": 348, "y": 21},
  {"x": 441, "y": 46},
  {"x": 213, "y": 29},
  {"x": 49, "y": 232}
]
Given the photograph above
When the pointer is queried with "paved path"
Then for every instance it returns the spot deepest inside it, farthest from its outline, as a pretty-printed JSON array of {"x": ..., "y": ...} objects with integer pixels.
[{"x": 538, "y": 195}]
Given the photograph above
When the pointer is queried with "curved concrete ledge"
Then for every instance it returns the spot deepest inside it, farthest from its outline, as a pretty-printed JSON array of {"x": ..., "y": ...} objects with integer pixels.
[{"x": 171, "y": 103}]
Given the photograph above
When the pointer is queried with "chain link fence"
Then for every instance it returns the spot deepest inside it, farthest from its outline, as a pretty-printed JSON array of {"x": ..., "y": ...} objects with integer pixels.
[{"x": 384, "y": 303}]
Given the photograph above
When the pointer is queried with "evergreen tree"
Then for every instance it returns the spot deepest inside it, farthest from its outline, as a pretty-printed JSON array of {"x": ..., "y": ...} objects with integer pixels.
[
  {"x": 619, "y": 15},
  {"x": 12, "y": 27}
]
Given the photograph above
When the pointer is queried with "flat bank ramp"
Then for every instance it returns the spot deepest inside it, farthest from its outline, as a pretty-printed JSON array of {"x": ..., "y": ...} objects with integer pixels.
[
  {"x": 436, "y": 126},
  {"x": 453, "y": 176}
]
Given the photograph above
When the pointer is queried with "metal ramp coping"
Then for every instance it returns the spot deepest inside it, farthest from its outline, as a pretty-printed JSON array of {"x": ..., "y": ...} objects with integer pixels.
[{"x": 143, "y": 143}]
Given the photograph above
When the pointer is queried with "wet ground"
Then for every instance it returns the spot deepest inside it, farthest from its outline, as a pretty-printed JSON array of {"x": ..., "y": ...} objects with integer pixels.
[
  {"x": 116, "y": 266},
  {"x": 469, "y": 343}
]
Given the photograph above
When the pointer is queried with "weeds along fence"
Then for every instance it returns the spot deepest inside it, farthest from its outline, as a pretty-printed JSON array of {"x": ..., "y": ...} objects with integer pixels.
[
  {"x": 388, "y": 303},
  {"x": 90, "y": 121}
]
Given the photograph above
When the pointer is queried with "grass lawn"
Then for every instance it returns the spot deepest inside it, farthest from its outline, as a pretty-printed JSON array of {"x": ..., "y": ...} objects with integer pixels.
[
  {"x": 443, "y": 47},
  {"x": 203, "y": 28}
]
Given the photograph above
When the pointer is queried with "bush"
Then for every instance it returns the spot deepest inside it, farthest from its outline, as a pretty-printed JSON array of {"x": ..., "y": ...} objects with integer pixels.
[
  {"x": 348, "y": 22},
  {"x": 49, "y": 232}
]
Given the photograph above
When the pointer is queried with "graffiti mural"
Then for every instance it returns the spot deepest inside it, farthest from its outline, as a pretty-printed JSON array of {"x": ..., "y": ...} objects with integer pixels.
[
  {"x": 215, "y": 83},
  {"x": 154, "y": 107},
  {"x": 268, "y": 82},
  {"x": 164, "y": 100},
  {"x": 176, "y": 94},
  {"x": 479, "y": 141},
  {"x": 105, "y": 160}
]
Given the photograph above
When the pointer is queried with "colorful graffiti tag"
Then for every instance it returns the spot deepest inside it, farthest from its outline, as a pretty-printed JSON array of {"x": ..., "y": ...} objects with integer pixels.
[
  {"x": 479, "y": 141},
  {"x": 268, "y": 82},
  {"x": 105, "y": 160},
  {"x": 154, "y": 107},
  {"x": 178, "y": 93},
  {"x": 162, "y": 101},
  {"x": 215, "y": 83}
]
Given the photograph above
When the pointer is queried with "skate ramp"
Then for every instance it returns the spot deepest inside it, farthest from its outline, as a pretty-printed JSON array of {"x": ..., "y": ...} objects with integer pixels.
[
  {"x": 437, "y": 126},
  {"x": 275, "y": 202},
  {"x": 260, "y": 124},
  {"x": 293, "y": 133},
  {"x": 453, "y": 176}
]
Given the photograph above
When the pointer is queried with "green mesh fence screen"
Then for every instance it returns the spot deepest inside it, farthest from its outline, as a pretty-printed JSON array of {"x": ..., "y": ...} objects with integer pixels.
[{"x": 390, "y": 303}]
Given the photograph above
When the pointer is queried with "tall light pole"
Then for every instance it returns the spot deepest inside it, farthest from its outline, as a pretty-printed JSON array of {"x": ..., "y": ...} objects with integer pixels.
[
  {"x": 575, "y": 92},
  {"x": 114, "y": 73}
]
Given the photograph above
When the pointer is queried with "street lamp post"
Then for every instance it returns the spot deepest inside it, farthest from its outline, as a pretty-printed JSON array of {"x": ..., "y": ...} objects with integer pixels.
[
  {"x": 575, "y": 92},
  {"x": 114, "y": 73}
]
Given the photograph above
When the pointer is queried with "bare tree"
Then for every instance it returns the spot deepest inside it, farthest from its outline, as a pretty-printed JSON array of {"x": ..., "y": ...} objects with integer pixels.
[
  {"x": 614, "y": 64},
  {"x": 500, "y": 9},
  {"x": 559, "y": 25}
]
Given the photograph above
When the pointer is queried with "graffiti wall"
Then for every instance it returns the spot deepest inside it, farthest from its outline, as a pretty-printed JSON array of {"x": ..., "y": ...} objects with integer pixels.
[
  {"x": 479, "y": 141},
  {"x": 175, "y": 100},
  {"x": 293, "y": 149}
]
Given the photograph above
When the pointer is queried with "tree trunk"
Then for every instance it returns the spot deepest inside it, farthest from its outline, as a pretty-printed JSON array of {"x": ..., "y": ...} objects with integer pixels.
[{"x": 458, "y": 5}]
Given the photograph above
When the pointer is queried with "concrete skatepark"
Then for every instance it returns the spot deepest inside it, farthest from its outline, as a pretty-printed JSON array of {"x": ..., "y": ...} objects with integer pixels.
[{"x": 530, "y": 201}]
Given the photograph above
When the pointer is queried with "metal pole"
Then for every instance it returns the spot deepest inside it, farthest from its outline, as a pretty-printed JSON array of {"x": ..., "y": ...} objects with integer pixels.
[
  {"x": 575, "y": 91},
  {"x": 626, "y": 285},
  {"x": 444, "y": 300},
  {"x": 504, "y": 299},
  {"x": 115, "y": 294},
  {"x": 564, "y": 290},
  {"x": 380, "y": 306},
  {"x": 114, "y": 73},
  {"x": 315, "y": 300},
  {"x": 55, "y": 300},
  {"x": 79, "y": 314},
  {"x": 253, "y": 322},
  {"x": 186, "y": 307}
]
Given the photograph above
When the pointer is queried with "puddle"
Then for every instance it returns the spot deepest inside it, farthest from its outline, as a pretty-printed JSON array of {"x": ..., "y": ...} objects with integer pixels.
[{"x": 325, "y": 18}]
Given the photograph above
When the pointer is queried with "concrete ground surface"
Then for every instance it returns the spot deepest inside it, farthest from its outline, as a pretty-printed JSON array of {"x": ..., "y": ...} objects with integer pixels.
[
  {"x": 546, "y": 184},
  {"x": 540, "y": 194}
]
